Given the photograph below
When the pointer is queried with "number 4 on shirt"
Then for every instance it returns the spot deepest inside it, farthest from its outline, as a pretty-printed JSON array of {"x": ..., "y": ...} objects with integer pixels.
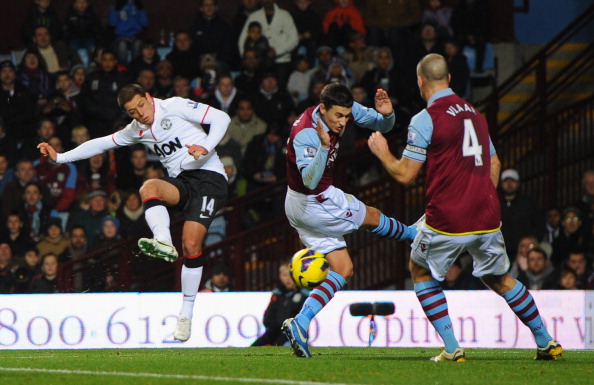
[{"x": 470, "y": 144}]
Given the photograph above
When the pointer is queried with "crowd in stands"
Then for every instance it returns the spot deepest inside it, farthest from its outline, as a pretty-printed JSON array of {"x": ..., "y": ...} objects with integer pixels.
[{"x": 263, "y": 69}]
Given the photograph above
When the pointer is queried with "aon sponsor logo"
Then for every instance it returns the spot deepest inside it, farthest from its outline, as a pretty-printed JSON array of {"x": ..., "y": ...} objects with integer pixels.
[{"x": 166, "y": 149}]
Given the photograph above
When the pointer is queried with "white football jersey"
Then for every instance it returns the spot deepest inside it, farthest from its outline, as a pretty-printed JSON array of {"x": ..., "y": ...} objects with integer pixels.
[{"x": 178, "y": 122}]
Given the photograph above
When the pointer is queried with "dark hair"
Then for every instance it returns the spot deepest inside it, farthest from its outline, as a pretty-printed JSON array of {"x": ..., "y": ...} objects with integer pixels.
[
  {"x": 37, "y": 184},
  {"x": 255, "y": 24},
  {"x": 128, "y": 92},
  {"x": 336, "y": 94},
  {"x": 80, "y": 228},
  {"x": 540, "y": 251}
]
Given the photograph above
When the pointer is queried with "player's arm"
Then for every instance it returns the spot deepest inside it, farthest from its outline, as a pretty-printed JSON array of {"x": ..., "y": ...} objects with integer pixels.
[
  {"x": 311, "y": 149},
  {"x": 86, "y": 150},
  {"x": 381, "y": 119},
  {"x": 203, "y": 114},
  {"x": 495, "y": 168},
  {"x": 404, "y": 170}
]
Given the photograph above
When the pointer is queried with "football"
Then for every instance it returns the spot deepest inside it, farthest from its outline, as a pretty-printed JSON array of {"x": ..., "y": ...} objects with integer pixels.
[{"x": 309, "y": 268}]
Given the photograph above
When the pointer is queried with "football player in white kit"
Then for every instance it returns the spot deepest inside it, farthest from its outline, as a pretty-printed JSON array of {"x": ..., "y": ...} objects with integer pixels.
[{"x": 197, "y": 183}]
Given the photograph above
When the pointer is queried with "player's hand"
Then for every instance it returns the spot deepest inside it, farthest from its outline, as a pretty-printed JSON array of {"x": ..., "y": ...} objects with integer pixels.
[
  {"x": 47, "y": 151},
  {"x": 378, "y": 144},
  {"x": 196, "y": 151},
  {"x": 323, "y": 134},
  {"x": 383, "y": 104}
]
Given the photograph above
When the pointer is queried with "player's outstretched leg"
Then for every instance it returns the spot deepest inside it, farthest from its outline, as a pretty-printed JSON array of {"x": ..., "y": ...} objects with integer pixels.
[
  {"x": 191, "y": 275},
  {"x": 435, "y": 306},
  {"x": 522, "y": 303},
  {"x": 393, "y": 229},
  {"x": 296, "y": 328},
  {"x": 157, "y": 218}
]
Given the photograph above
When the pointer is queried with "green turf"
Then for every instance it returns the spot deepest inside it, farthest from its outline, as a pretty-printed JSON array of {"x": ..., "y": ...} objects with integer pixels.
[{"x": 273, "y": 365}]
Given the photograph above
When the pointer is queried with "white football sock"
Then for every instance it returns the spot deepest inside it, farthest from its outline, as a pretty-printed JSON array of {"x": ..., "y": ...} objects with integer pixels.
[
  {"x": 190, "y": 282},
  {"x": 157, "y": 218}
]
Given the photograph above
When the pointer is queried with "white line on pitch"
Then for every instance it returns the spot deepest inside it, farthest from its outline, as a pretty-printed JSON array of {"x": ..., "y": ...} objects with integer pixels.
[{"x": 169, "y": 376}]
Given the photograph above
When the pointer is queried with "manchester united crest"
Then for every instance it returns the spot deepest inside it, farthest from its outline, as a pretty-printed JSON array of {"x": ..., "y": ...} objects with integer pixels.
[{"x": 165, "y": 124}]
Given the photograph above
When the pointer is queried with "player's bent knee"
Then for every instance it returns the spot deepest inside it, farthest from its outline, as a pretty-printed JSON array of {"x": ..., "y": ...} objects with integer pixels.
[{"x": 148, "y": 189}]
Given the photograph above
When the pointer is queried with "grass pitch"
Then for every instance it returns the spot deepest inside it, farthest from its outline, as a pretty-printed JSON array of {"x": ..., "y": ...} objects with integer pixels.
[{"x": 272, "y": 365}]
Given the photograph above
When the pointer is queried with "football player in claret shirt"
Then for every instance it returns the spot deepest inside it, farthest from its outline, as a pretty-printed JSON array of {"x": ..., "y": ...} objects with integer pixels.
[
  {"x": 321, "y": 213},
  {"x": 196, "y": 184},
  {"x": 463, "y": 212}
]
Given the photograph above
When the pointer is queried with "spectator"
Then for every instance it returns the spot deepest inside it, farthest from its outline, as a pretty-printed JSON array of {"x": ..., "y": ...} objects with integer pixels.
[
  {"x": 586, "y": 203},
  {"x": 78, "y": 135},
  {"x": 520, "y": 214},
  {"x": 47, "y": 282},
  {"x": 325, "y": 55},
  {"x": 34, "y": 76},
  {"x": 65, "y": 86},
  {"x": 205, "y": 85},
  {"x": 103, "y": 268},
  {"x": 128, "y": 20},
  {"x": 456, "y": 278},
  {"x": 183, "y": 89},
  {"x": 79, "y": 76},
  {"x": 44, "y": 14},
  {"x": 471, "y": 24},
  {"x": 392, "y": 23},
  {"x": 147, "y": 79},
  {"x": 300, "y": 79},
  {"x": 12, "y": 199},
  {"x": 236, "y": 181},
  {"x": 574, "y": 237},
  {"x": 7, "y": 278},
  {"x": 91, "y": 219},
  {"x": 340, "y": 21},
  {"x": 278, "y": 27},
  {"x": 82, "y": 28},
  {"x": 212, "y": 35},
  {"x": 220, "y": 280},
  {"x": 264, "y": 161},
  {"x": 34, "y": 213},
  {"x": 286, "y": 301},
  {"x": 259, "y": 43},
  {"x": 270, "y": 102},
  {"x": 77, "y": 248},
  {"x": 59, "y": 178},
  {"x": 245, "y": 125},
  {"x": 229, "y": 148},
  {"x": 164, "y": 84},
  {"x": 540, "y": 274},
  {"x": 385, "y": 76},
  {"x": 131, "y": 216},
  {"x": 309, "y": 28},
  {"x": 225, "y": 96},
  {"x": 184, "y": 57},
  {"x": 100, "y": 95},
  {"x": 53, "y": 240},
  {"x": 18, "y": 240},
  {"x": 17, "y": 104},
  {"x": 6, "y": 172},
  {"x": 425, "y": 43},
  {"x": 439, "y": 14},
  {"x": 132, "y": 170},
  {"x": 360, "y": 96},
  {"x": 249, "y": 78},
  {"x": 148, "y": 58},
  {"x": 313, "y": 96},
  {"x": 567, "y": 280},
  {"x": 46, "y": 129},
  {"x": 519, "y": 262},
  {"x": 338, "y": 73},
  {"x": 357, "y": 56},
  {"x": 25, "y": 274},
  {"x": 246, "y": 8},
  {"x": 581, "y": 264},
  {"x": 552, "y": 226},
  {"x": 458, "y": 66},
  {"x": 96, "y": 174},
  {"x": 56, "y": 55}
]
